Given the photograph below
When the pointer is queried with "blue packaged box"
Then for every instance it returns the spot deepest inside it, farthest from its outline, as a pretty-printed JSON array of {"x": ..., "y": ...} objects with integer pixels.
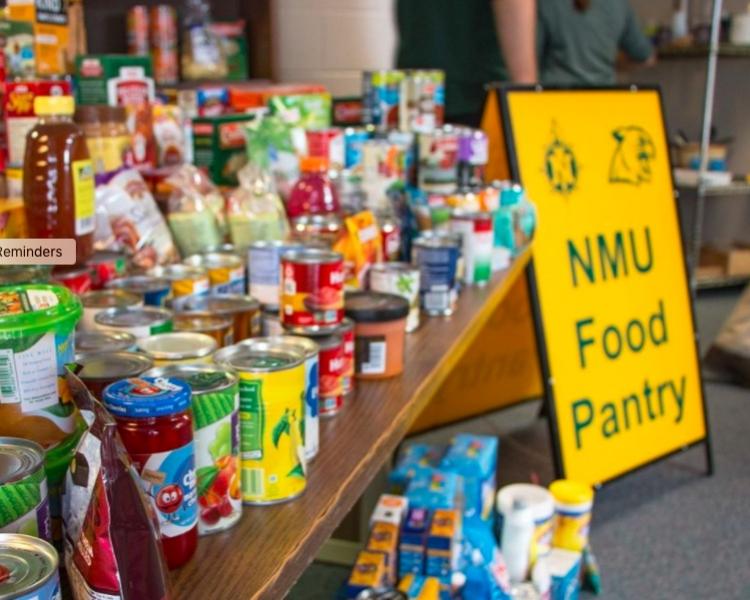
[
  {"x": 564, "y": 568},
  {"x": 443, "y": 543},
  {"x": 413, "y": 460},
  {"x": 474, "y": 458},
  {"x": 413, "y": 541},
  {"x": 435, "y": 489}
]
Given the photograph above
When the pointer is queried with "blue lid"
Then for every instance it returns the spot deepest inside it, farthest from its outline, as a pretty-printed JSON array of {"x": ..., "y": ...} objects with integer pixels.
[{"x": 143, "y": 397}]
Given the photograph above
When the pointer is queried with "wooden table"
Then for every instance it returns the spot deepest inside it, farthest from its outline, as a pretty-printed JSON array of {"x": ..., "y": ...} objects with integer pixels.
[{"x": 264, "y": 555}]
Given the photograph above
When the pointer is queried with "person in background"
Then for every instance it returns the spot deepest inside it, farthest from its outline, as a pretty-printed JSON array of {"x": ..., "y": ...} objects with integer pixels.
[
  {"x": 461, "y": 38},
  {"x": 578, "y": 41}
]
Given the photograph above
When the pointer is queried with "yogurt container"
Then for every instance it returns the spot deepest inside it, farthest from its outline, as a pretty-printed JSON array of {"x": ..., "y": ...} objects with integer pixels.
[{"x": 573, "y": 504}]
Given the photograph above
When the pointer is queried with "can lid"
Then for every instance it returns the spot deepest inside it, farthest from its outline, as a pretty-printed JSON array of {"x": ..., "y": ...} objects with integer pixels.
[
  {"x": 110, "y": 298},
  {"x": 395, "y": 267},
  {"x": 34, "y": 309},
  {"x": 173, "y": 272},
  {"x": 177, "y": 345},
  {"x": 281, "y": 244},
  {"x": 224, "y": 304},
  {"x": 199, "y": 320},
  {"x": 213, "y": 260},
  {"x": 301, "y": 344},
  {"x": 331, "y": 221},
  {"x": 312, "y": 256},
  {"x": 327, "y": 341},
  {"x": 345, "y": 326},
  {"x": 103, "y": 340},
  {"x": 132, "y": 317},
  {"x": 112, "y": 365},
  {"x": 375, "y": 307},
  {"x": 568, "y": 491},
  {"x": 29, "y": 561},
  {"x": 18, "y": 459},
  {"x": 143, "y": 397},
  {"x": 259, "y": 355},
  {"x": 140, "y": 283}
]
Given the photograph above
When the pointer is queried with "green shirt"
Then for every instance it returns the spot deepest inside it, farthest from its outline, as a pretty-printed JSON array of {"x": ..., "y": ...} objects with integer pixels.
[
  {"x": 580, "y": 48},
  {"x": 457, "y": 36}
]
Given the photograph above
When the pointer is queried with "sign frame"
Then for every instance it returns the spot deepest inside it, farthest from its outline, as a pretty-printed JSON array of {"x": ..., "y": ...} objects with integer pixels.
[{"x": 503, "y": 91}]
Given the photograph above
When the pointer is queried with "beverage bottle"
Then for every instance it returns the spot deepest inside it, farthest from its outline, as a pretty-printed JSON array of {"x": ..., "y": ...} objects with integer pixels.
[
  {"x": 58, "y": 177},
  {"x": 313, "y": 194},
  {"x": 518, "y": 529}
]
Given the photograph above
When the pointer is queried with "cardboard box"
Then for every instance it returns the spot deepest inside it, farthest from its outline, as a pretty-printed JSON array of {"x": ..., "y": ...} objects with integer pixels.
[
  {"x": 390, "y": 509},
  {"x": 369, "y": 571},
  {"x": 413, "y": 541},
  {"x": 219, "y": 145},
  {"x": 384, "y": 538},
  {"x": 19, "y": 49},
  {"x": 434, "y": 489},
  {"x": 114, "y": 79},
  {"x": 733, "y": 261},
  {"x": 234, "y": 42},
  {"x": 50, "y": 24},
  {"x": 564, "y": 568},
  {"x": 413, "y": 460},
  {"x": 417, "y": 587}
]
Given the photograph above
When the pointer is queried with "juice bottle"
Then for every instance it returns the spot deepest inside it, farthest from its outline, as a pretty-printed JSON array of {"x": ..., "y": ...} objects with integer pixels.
[
  {"x": 58, "y": 179},
  {"x": 313, "y": 194}
]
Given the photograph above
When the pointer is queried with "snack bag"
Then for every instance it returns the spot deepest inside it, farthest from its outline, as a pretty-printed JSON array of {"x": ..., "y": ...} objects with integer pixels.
[
  {"x": 361, "y": 247},
  {"x": 128, "y": 220},
  {"x": 112, "y": 547}
]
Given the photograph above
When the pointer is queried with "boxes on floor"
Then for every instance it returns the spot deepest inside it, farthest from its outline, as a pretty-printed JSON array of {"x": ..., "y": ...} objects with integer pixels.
[
  {"x": 418, "y": 587},
  {"x": 414, "y": 459},
  {"x": 413, "y": 542},
  {"x": 434, "y": 489},
  {"x": 474, "y": 458},
  {"x": 564, "y": 568},
  {"x": 369, "y": 571},
  {"x": 384, "y": 538},
  {"x": 444, "y": 547},
  {"x": 390, "y": 509}
]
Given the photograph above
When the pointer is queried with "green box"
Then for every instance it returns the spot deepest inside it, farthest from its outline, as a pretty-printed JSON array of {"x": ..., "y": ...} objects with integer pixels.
[
  {"x": 308, "y": 111},
  {"x": 94, "y": 72},
  {"x": 18, "y": 45},
  {"x": 219, "y": 145}
]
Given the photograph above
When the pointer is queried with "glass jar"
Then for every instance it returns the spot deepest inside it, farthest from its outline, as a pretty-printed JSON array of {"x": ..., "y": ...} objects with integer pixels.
[
  {"x": 313, "y": 194},
  {"x": 116, "y": 137},
  {"x": 155, "y": 424},
  {"x": 88, "y": 119}
]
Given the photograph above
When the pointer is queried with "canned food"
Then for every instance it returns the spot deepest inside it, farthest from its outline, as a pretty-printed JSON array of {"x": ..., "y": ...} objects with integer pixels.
[
  {"x": 178, "y": 347},
  {"x": 164, "y": 44},
  {"x": 215, "y": 402},
  {"x": 272, "y": 388},
  {"x": 100, "y": 369},
  {"x": 140, "y": 322},
  {"x": 16, "y": 274},
  {"x": 95, "y": 302},
  {"x": 270, "y": 322},
  {"x": 438, "y": 160},
  {"x": 346, "y": 331},
  {"x": 309, "y": 348},
  {"x": 380, "y": 98},
  {"x": 31, "y": 565},
  {"x": 312, "y": 291},
  {"x": 477, "y": 238},
  {"x": 106, "y": 266},
  {"x": 24, "y": 504},
  {"x": 225, "y": 271},
  {"x": 155, "y": 290},
  {"x": 417, "y": 102},
  {"x": 243, "y": 310},
  {"x": 186, "y": 281},
  {"x": 401, "y": 279},
  {"x": 331, "y": 389},
  {"x": 101, "y": 340},
  {"x": 138, "y": 30},
  {"x": 264, "y": 269},
  {"x": 390, "y": 236},
  {"x": 217, "y": 326},
  {"x": 317, "y": 229},
  {"x": 76, "y": 279},
  {"x": 436, "y": 257}
]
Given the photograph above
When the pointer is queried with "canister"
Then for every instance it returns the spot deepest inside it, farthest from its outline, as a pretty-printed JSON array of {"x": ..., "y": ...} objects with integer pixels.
[
  {"x": 542, "y": 507},
  {"x": 437, "y": 258},
  {"x": 139, "y": 322},
  {"x": 24, "y": 504},
  {"x": 186, "y": 281},
  {"x": 100, "y": 369},
  {"x": 95, "y": 302},
  {"x": 264, "y": 269},
  {"x": 155, "y": 290},
  {"x": 225, "y": 271},
  {"x": 573, "y": 503}
]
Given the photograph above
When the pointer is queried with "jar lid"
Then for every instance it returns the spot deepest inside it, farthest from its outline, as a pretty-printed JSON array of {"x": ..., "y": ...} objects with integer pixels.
[
  {"x": 568, "y": 491},
  {"x": 375, "y": 307},
  {"x": 34, "y": 309},
  {"x": 313, "y": 163},
  {"x": 145, "y": 397},
  {"x": 112, "y": 365}
]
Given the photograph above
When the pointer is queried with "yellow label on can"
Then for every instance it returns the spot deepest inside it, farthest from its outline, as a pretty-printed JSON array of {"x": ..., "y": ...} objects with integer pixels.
[
  {"x": 271, "y": 435},
  {"x": 571, "y": 531}
]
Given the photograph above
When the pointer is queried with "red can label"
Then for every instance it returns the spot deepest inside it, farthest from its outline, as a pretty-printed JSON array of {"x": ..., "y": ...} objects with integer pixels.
[
  {"x": 79, "y": 281},
  {"x": 312, "y": 294},
  {"x": 390, "y": 237},
  {"x": 332, "y": 370},
  {"x": 347, "y": 337}
]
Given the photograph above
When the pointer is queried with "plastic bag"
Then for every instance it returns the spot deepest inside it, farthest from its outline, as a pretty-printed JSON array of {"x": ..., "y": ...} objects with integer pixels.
[
  {"x": 254, "y": 210},
  {"x": 196, "y": 211},
  {"x": 111, "y": 541},
  {"x": 127, "y": 219}
]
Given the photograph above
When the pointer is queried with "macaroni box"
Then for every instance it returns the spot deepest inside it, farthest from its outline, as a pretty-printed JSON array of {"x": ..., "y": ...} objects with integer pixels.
[
  {"x": 369, "y": 571},
  {"x": 413, "y": 541},
  {"x": 384, "y": 538},
  {"x": 417, "y": 587},
  {"x": 389, "y": 509}
]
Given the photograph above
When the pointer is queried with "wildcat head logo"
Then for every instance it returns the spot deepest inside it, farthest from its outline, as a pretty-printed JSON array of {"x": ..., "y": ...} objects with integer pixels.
[
  {"x": 631, "y": 162},
  {"x": 561, "y": 166}
]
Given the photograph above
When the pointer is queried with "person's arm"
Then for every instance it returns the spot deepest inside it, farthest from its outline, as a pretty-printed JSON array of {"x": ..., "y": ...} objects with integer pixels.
[
  {"x": 634, "y": 43},
  {"x": 516, "y": 29}
]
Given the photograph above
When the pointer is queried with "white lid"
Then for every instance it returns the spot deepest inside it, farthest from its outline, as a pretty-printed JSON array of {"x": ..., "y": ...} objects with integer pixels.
[{"x": 538, "y": 498}]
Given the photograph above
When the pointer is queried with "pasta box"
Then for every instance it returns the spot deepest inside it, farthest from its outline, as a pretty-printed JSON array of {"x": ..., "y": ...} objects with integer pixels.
[{"x": 219, "y": 145}]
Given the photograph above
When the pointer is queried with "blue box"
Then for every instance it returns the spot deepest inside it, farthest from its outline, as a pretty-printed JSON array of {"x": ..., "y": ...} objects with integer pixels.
[
  {"x": 564, "y": 568},
  {"x": 433, "y": 489},
  {"x": 413, "y": 541},
  {"x": 414, "y": 459}
]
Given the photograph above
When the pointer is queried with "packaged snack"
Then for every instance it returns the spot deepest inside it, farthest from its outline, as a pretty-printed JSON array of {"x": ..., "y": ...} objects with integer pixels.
[
  {"x": 443, "y": 547},
  {"x": 308, "y": 111},
  {"x": 413, "y": 541},
  {"x": 414, "y": 459},
  {"x": 112, "y": 544},
  {"x": 361, "y": 247},
  {"x": 233, "y": 41},
  {"x": 483, "y": 565},
  {"x": 18, "y": 45},
  {"x": 384, "y": 538},
  {"x": 202, "y": 52},
  {"x": 169, "y": 135},
  {"x": 368, "y": 572},
  {"x": 219, "y": 145},
  {"x": 128, "y": 220},
  {"x": 50, "y": 23},
  {"x": 254, "y": 210},
  {"x": 196, "y": 211}
]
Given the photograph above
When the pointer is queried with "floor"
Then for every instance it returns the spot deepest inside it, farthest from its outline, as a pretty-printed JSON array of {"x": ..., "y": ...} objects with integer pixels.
[{"x": 666, "y": 531}]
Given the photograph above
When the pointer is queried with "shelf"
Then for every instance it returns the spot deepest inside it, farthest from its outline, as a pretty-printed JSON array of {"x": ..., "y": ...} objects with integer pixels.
[
  {"x": 701, "y": 52},
  {"x": 736, "y": 188},
  {"x": 724, "y": 281},
  {"x": 264, "y": 555}
]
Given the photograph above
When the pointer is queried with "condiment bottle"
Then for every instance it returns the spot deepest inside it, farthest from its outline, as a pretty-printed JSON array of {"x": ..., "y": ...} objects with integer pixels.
[
  {"x": 313, "y": 194},
  {"x": 155, "y": 423},
  {"x": 58, "y": 179}
]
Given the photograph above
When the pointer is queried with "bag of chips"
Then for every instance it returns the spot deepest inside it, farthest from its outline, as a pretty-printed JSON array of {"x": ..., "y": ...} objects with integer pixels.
[{"x": 361, "y": 246}]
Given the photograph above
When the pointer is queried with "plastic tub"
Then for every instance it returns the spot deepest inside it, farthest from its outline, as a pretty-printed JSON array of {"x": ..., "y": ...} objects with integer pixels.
[{"x": 573, "y": 503}]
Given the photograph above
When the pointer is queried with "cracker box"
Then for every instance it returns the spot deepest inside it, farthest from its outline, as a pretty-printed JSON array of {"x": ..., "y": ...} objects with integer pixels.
[
  {"x": 384, "y": 538},
  {"x": 443, "y": 548},
  {"x": 369, "y": 571},
  {"x": 417, "y": 587},
  {"x": 114, "y": 79},
  {"x": 413, "y": 541},
  {"x": 474, "y": 458},
  {"x": 389, "y": 509},
  {"x": 219, "y": 145},
  {"x": 414, "y": 459}
]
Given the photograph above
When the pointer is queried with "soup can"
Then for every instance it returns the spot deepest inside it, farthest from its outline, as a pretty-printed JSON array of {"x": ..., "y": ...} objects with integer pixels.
[
  {"x": 106, "y": 266},
  {"x": 270, "y": 322},
  {"x": 95, "y": 302},
  {"x": 272, "y": 397},
  {"x": 98, "y": 370},
  {"x": 140, "y": 322},
  {"x": 317, "y": 229},
  {"x": 401, "y": 279},
  {"x": 76, "y": 279},
  {"x": 178, "y": 347},
  {"x": 137, "y": 30},
  {"x": 477, "y": 240},
  {"x": 436, "y": 257},
  {"x": 186, "y": 281},
  {"x": 219, "y": 327},
  {"x": 331, "y": 389},
  {"x": 103, "y": 340},
  {"x": 155, "y": 290},
  {"x": 264, "y": 269},
  {"x": 225, "y": 271},
  {"x": 243, "y": 310},
  {"x": 312, "y": 290},
  {"x": 24, "y": 504},
  {"x": 346, "y": 331},
  {"x": 32, "y": 568},
  {"x": 390, "y": 236},
  {"x": 311, "y": 426},
  {"x": 216, "y": 404}
]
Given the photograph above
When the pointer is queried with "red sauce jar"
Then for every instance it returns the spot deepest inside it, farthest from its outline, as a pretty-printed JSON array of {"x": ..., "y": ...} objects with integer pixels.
[{"x": 155, "y": 424}]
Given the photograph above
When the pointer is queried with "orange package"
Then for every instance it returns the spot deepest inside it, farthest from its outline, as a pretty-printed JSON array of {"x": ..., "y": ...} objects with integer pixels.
[{"x": 361, "y": 247}]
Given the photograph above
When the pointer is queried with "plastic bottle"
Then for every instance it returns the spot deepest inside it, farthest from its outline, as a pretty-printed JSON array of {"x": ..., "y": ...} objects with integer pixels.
[
  {"x": 313, "y": 194},
  {"x": 518, "y": 529}
]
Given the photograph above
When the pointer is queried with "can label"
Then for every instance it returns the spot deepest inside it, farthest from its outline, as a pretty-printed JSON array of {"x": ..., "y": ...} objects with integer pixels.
[
  {"x": 227, "y": 280},
  {"x": 157, "y": 297},
  {"x": 312, "y": 293},
  {"x": 142, "y": 331},
  {"x": 271, "y": 445},
  {"x": 332, "y": 365},
  {"x": 354, "y": 139},
  {"x": 190, "y": 287},
  {"x": 330, "y": 405},
  {"x": 168, "y": 479},
  {"x": 370, "y": 355},
  {"x": 347, "y": 379},
  {"x": 312, "y": 419},
  {"x": 217, "y": 451},
  {"x": 264, "y": 266},
  {"x": 24, "y": 506},
  {"x": 50, "y": 590},
  {"x": 437, "y": 276},
  {"x": 402, "y": 282}
]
